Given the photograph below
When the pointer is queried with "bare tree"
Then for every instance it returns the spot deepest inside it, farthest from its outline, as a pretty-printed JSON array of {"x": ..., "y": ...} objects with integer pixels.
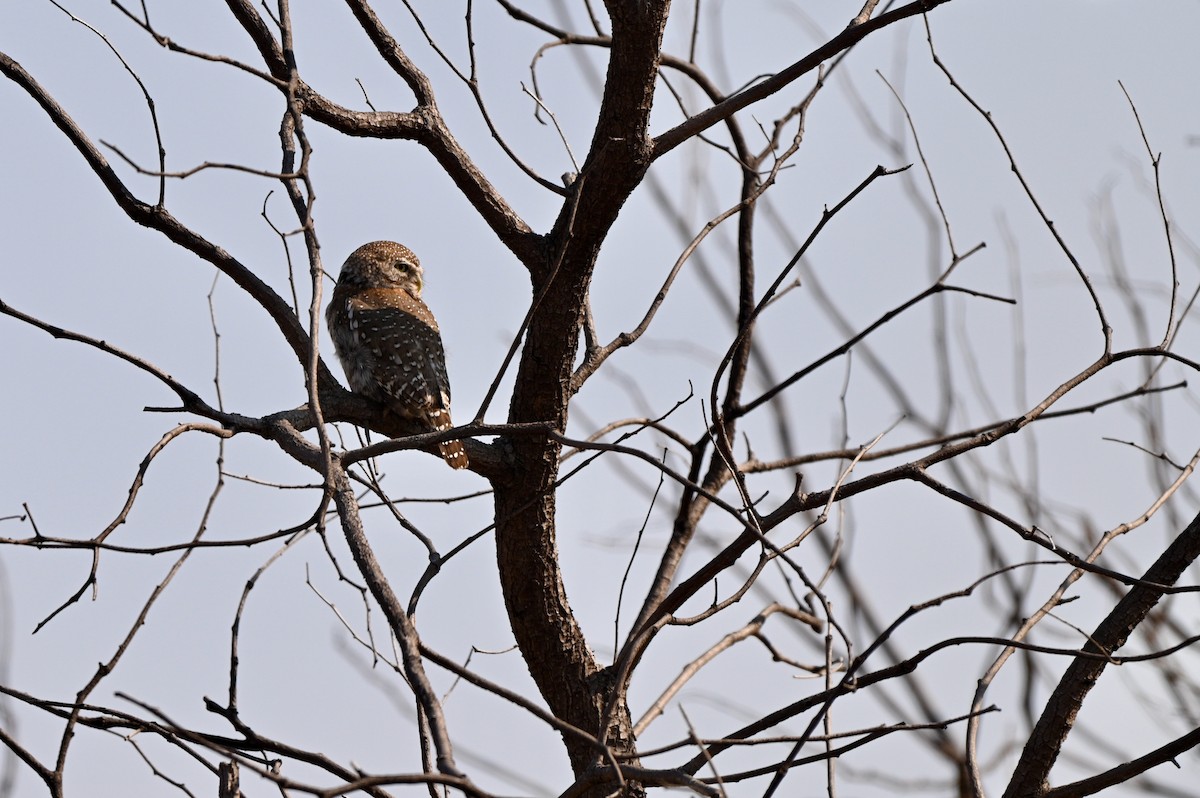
[{"x": 755, "y": 486}]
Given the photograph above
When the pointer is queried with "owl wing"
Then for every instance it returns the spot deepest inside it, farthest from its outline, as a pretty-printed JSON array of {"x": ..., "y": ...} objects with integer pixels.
[{"x": 406, "y": 361}]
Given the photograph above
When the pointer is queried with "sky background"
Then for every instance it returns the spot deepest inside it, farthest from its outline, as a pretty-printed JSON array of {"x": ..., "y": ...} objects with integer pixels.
[{"x": 75, "y": 429}]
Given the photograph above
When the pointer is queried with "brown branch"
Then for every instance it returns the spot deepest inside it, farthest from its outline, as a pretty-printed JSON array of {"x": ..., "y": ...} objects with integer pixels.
[
  {"x": 756, "y": 466},
  {"x": 1105, "y": 327},
  {"x": 185, "y": 394},
  {"x": 1030, "y": 777},
  {"x": 52, "y": 778},
  {"x": 424, "y": 125},
  {"x": 752, "y": 189},
  {"x": 392, "y": 54},
  {"x": 692, "y": 506},
  {"x": 158, "y": 218},
  {"x": 830, "y": 754},
  {"x": 401, "y": 624},
  {"x": 751, "y": 629},
  {"x": 432, "y": 132},
  {"x": 235, "y": 627},
  {"x": 1033, "y": 534},
  {"x": 122, "y": 515},
  {"x": 246, "y": 15},
  {"x": 1127, "y": 770},
  {"x": 1026, "y": 625},
  {"x": 183, "y": 174},
  {"x": 1155, "y": 161},
  {"x": 647, "y": 776},
  {"x": 175, "y": 47},
  {"x": 510, "y": 696},
  {"x": 853, "y": 34},
  {"x": 251, "y": 748},
  {"x": 845, "y": 347},
  {"x": 800, "y": 501},
  {"x": 550, "y": 637},
  {"x": 733, "y": 742},
  {"x": 105, "y": 668},
  {"x": 150, "y": 106},
  {"x": 852, "y": 683}
]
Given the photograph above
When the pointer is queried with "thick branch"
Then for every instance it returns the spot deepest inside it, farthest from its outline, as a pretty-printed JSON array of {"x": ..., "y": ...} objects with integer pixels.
[
  {"x": 435, "y": 136},
  {"x": 1030, "y": 777},
  {"x": 551, "y": 641}
]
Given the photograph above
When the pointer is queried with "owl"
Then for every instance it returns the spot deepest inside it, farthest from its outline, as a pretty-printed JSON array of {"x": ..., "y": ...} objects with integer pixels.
[{"x": 388, "y": 341}]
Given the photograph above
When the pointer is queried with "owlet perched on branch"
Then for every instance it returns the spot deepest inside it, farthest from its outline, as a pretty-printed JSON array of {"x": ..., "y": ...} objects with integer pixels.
[{"x": 388, "y": 341}]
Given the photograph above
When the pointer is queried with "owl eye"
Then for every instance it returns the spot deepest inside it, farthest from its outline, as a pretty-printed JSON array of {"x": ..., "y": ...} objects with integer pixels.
[{"x": 403, "y": 265}]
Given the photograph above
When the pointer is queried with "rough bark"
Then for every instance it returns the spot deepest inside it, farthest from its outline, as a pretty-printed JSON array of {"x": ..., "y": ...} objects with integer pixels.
[
  {"x": 1030, "y": 778},
  {"x": 551, "y": 641}
]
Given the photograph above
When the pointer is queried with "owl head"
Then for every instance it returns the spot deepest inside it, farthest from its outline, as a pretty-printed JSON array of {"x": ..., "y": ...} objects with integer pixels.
[{"x": 383, "y": 264}]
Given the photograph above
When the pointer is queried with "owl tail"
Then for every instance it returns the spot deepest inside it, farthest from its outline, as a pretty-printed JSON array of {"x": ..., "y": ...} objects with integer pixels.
[{"x": 454, "y": 454}]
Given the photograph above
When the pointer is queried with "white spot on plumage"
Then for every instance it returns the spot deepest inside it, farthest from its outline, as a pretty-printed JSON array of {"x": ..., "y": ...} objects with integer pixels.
[{"x": 388, "y": 341}]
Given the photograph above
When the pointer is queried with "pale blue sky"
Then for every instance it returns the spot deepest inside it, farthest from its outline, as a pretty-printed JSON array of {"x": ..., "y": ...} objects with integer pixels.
[{"x": 75, "y": 430}]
